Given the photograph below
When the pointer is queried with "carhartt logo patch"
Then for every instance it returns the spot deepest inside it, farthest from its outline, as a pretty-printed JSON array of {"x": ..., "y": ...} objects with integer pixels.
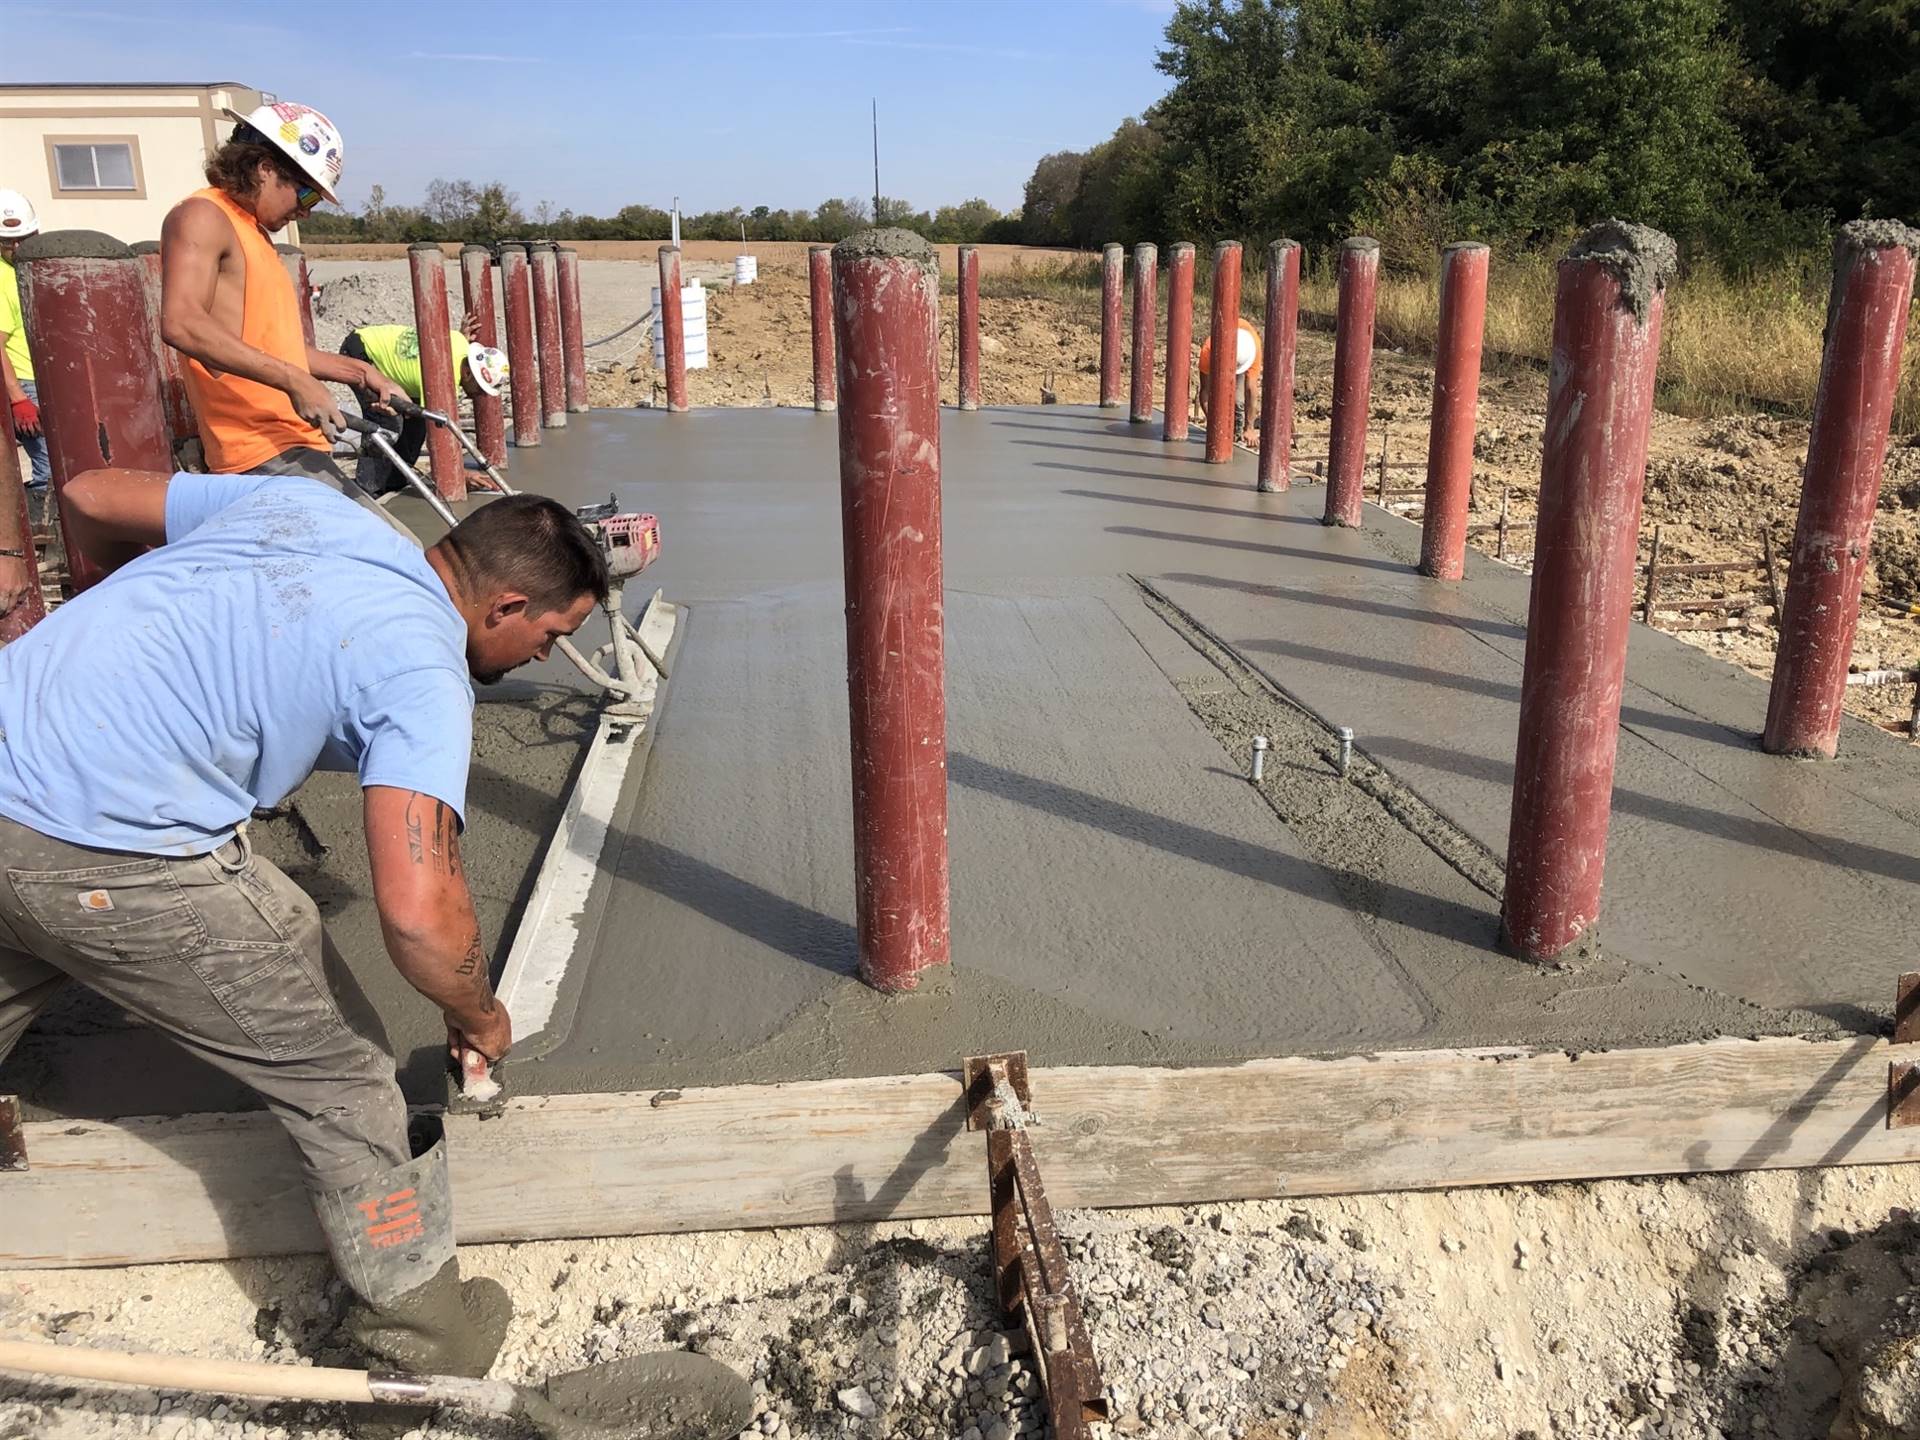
[{"x": 95, "y": 900}]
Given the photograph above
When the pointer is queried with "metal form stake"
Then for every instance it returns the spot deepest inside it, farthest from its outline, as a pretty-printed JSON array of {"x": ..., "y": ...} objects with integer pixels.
[
  {"x": 428, "y": 268},
  {"x": 1352, "y": 380},
  {"x": 1221, "y": 380},
  {"x": 546, "y": 329},
  {"x": 1259, "y": 772},
  {"x": 182, "y": 424},
  {"x": 573, "y": 344},
  {"x": 1031, "y": 1279},
  {"x": 1113, "y": 279},
  {"x": 1146, "y": 307},
  {"x": 1344, "y": 760},
  {"x": 969, "y": 328},
  {"x": 476, "y": 291},
  {"x": 1606, "y": 343},
  {"x": 1873, "y": 272},
  {"x": 516, "y": 287},
  {"x": 1456, "y": 394},
  {"x": 820, "y": 290},
  {"x": 1276, "y": 382},
  {"x": 295, "y": 259},
  {"x": 1174, "y": 413},
  {"x": 84, "y": 301},
  {"x": 673, "y": 335},
  {"x": 886, "y": 331}
]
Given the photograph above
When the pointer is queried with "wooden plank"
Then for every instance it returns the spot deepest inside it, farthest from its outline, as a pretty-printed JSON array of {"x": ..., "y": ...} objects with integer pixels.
[{"x": 213, "y": 1187}]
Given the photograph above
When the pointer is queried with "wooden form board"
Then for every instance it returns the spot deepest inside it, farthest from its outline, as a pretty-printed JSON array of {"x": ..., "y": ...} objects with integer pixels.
[{"x": 214, "y": 1187}]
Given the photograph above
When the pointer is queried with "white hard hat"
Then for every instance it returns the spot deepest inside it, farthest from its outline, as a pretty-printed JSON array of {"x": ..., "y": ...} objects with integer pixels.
[
  {"x": 307, "y": 137},
  {"x": 488, "y": 367},
  {"x": 1246, "y": 349},
  {"x": 17, "y": 220}
]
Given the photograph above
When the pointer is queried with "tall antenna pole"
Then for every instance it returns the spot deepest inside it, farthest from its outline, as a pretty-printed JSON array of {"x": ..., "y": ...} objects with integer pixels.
[{"x": 876, "y": 160}]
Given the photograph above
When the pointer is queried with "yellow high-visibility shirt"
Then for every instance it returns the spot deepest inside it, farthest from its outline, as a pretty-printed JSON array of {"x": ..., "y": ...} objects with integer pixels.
[
  {"x": 394, "y": 350},
  {"x": 12, "y": 324}
]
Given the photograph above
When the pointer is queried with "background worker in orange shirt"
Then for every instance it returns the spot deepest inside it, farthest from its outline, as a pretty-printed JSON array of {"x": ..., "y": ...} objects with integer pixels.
[{"x": 1246, "y": 372}]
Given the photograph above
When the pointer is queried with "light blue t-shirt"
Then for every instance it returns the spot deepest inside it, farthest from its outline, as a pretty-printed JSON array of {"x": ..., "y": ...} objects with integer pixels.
[{"x": 281, "y": 628}]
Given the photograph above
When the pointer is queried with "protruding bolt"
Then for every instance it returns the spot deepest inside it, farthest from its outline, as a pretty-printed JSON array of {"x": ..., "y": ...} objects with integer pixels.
[
  {"x": 1345, "y": 735},
  {"x": 1259, "y": 757}
]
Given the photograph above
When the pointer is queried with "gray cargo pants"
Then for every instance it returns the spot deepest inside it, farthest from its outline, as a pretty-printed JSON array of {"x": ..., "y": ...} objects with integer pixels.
[{"x": 225, "y": 954}]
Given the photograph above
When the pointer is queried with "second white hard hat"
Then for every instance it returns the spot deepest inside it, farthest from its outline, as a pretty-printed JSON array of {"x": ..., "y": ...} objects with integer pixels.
[
  {"x": 305, "y": 136},
  {"x": 17, "y": 220},
  {"x": 488, "y": 367}
]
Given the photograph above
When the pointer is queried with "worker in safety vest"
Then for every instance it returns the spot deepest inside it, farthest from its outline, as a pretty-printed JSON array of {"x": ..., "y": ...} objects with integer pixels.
[
  {"x": 394, "y": 350},
  {"x": 17, "y": 222},
  {"x": 1246, "y": 373},
  {"x": 278, "y": 626},
  {"x": 229, "y": 307}
]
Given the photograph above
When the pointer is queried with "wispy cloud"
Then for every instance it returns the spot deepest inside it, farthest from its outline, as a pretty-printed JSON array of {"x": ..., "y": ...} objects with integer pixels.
[
  {"x": 796, "y": 34},
  {"x": 947, "y": 46},
  {"x": 472, "y": 57}
]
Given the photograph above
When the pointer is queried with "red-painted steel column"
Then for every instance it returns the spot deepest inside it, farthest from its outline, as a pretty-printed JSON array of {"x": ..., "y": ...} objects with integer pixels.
[
  {"x": 183, "y": 426},
  {"x": 295, "y": 261},
  {"x": 673, "y": 334},
  {"x": 428, "y": 268},
  {"x": 820, "y": 290},
  {"x": 546, "y": 333},
  {"x": 1173, "y": 415},
  {"x": 31, "y": 608},
  {"x": 1456, "y": 392},
  {"x": 1873, "y": 270},
  {"x": 476, "y": 292},
  {"x": 1146, "y": 310},
  {"x": 969, "y": 328},
  {"x": 1352, "y": 380},
  {"x": 84, "y": 298},
  {"x": 1113, "y": 279},
  {"x": 886, "y": 327},
  {"x": 523, "y": 356},
  {"x": 1276, "y": 381},
  {"x": 573, "y": 341},
  {"x": 1606, "y": 343},
  {"x": 1221, "y": 381}
]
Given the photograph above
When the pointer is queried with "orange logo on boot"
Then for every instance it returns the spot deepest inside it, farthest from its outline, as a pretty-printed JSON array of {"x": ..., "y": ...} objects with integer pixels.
[{"x": 394, "y": 1220}]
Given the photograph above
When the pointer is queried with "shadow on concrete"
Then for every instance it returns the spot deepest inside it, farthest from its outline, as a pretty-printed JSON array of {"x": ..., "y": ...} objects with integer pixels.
[
  {"x": 1113, "y": 497},
  {"x": 1149, "y": 476},
  {"x": 1379, "y": 899},
  {"x": 1294, "y": 552},
  {"x": 1087, "y": 424},
  {"x": 1761, "y": 834},
  {"x": 1507, "y": 629}
]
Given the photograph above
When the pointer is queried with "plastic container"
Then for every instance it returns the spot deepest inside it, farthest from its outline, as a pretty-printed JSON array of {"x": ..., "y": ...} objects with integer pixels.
[
  {"x": 693, "y": 320},
  {"x": 746, "y": 269}
]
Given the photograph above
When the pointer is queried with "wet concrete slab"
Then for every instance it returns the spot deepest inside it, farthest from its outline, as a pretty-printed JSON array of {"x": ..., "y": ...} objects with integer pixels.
[{"x": 1120, "y": 892}]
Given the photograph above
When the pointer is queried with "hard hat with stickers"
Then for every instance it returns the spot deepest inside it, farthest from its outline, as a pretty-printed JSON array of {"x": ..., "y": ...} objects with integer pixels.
[
  {"x": 488, "y": 367},
  {"x": 17, "y": 220},
  {"x": 303, "y": 135}
]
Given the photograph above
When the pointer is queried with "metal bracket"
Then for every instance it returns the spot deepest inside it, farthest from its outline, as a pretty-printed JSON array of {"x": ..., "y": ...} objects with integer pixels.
[
  {"x": 1029, "y": 1262},
  {"x": 1903, "y": 1076},
  {"x": 13, "y": 1138}
]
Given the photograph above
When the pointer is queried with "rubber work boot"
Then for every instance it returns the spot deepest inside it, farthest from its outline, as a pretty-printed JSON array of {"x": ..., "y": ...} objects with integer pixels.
[{"x": 392, "y": 1242}]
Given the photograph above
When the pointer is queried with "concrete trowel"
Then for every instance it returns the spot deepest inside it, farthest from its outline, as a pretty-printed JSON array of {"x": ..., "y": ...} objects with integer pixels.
[{"x": 671, "y": 1395}]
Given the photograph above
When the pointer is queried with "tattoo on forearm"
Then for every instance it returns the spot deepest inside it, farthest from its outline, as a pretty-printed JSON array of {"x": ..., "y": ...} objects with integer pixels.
[{"x": 474, "y": 960}]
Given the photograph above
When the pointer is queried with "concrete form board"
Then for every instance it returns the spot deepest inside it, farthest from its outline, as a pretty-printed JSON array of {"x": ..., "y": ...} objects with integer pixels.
[{"x": 1120, "y": 895}]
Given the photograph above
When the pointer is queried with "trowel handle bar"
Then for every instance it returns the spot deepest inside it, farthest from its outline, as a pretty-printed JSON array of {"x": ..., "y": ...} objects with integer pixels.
[{"x": 252, "y": 1377}]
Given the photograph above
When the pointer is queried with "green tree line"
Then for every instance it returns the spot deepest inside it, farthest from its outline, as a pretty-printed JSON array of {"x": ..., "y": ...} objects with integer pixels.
[
  {"x": 1743, "y": 127},
  {"x": 461, "y": 210}
]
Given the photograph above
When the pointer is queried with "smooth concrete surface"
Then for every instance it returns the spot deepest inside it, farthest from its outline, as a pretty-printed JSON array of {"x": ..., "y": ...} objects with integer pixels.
[{"x": 1120, "y": 893}]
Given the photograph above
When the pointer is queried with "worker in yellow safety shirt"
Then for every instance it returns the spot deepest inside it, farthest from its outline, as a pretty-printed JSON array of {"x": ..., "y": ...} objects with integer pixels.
[
  {"x": 1246, "y": 372},
  {"x": 394, "y": 350}
]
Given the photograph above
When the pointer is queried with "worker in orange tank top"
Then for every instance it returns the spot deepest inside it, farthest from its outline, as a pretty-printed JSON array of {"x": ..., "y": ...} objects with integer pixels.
[{"x": 228, "y": 305}]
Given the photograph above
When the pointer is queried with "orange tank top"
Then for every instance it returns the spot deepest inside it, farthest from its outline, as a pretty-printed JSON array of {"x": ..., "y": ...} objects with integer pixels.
[{"x": 243, "y": 422}]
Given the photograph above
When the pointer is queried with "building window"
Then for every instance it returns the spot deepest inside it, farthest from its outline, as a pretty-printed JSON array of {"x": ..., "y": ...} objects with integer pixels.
[{"x": 99, "y": 166}]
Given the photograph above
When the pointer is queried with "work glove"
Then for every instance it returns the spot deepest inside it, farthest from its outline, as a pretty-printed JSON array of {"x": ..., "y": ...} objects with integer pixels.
[{"x": 26, "y": 418}]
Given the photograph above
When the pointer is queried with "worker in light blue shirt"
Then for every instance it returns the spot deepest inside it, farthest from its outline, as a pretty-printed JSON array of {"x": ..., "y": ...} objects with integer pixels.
[{"x": 278, "y": 626}]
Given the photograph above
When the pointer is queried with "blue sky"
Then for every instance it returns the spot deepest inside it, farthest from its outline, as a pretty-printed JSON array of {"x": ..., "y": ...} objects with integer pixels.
[{"x": 594, "y": 105}]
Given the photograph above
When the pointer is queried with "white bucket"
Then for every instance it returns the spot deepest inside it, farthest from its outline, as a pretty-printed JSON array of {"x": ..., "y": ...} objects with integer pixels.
[
  {"x": 693, "y": 323},
  {"x": 746, "y": 269}
]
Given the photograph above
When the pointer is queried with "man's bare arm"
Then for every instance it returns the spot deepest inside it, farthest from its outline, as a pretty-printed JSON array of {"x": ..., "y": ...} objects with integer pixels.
[
  {"x": 192, "y": 241},
  {"x": 426, "y": 914},
  {"x": 345, "y": 370},
  {"x": 117, "y": 514}
]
